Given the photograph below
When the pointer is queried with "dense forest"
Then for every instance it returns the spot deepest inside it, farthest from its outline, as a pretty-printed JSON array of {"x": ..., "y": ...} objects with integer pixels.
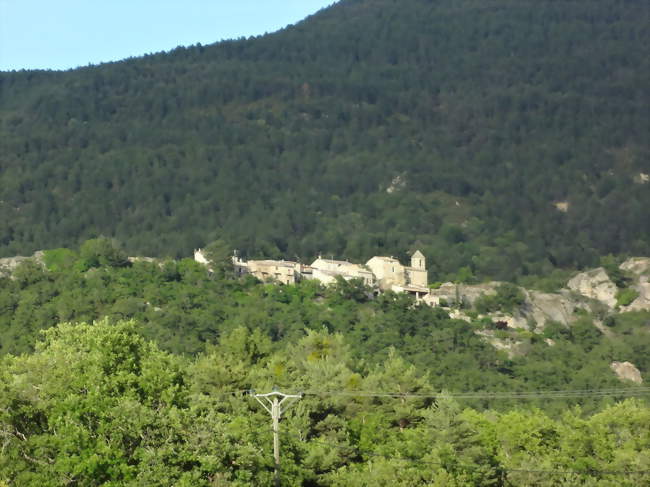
[
  {"x": 504, "y": 137},
  {"x": 142, "y": 373}
]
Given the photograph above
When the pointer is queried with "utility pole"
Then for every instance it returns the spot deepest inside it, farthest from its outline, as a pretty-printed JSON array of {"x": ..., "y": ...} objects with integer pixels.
[{"x": 272, "y": 402}]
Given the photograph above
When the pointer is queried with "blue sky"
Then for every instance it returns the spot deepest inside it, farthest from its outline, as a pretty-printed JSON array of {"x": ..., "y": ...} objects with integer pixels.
[{"x": 63, "y": 34}]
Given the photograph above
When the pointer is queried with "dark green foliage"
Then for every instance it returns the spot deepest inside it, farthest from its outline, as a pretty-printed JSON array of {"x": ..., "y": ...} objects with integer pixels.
[
  {"x": 507, "y": 298},
  {"x": 219, "y": 253},
  {"x": 101, "y": 252},
  {"x": 611, "y": 266},
  {"x": 371, "y": 127}
]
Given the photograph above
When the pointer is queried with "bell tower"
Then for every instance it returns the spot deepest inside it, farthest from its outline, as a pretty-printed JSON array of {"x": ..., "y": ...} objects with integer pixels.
[{"x": 418, "y": 261}]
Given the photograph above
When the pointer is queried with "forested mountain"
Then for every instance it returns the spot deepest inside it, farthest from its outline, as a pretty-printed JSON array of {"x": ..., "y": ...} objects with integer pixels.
[{"x": 508, "y": 137}]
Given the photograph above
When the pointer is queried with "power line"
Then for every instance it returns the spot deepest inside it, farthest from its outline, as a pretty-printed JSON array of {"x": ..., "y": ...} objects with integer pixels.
[
  {"x": 242, "y": 392},
  {"x": 549, "y": 394},
  {"x": 539, "y": 394},
  {"x": 560, "y": 394}
]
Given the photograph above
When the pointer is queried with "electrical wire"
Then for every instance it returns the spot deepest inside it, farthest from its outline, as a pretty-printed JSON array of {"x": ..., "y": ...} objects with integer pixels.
[
  {"x": 539, "y": 394},
  {"x": 560, "y": 394},
  {"x": 242, "y": 392}
]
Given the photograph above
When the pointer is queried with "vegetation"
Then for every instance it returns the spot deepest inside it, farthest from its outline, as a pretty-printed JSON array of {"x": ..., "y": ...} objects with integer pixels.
[
  {"x": 94, "y": 401},
  {"x": 96, "y": 404},
  {"x": 505, "y": 139},
  {"x": 625, "y": 297},
  {"x": 506, "y": 299},
  {"x": 371, "y": 128},
  {"x": 185, "y": 308}
]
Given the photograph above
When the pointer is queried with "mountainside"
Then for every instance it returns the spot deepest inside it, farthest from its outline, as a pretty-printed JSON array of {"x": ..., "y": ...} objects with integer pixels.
[{"x": 506, "y": 137}]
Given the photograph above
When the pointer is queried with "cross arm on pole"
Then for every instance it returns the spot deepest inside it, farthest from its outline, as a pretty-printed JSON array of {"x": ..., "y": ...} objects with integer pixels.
[{"x": 276, "y": 398}]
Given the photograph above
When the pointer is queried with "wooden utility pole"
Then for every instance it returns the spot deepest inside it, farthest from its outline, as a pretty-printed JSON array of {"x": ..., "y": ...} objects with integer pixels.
[{"x": 273, "y": 405}]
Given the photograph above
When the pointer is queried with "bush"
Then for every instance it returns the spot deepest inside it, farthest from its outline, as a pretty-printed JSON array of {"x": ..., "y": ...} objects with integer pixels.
[
  {"x": 611, "y": 266},
  {"x": 626, "y": 296},
  {"x": 102, "y": 251},
  {"x": 57, "y": 260},
  {"x": 507, "y": 298}
]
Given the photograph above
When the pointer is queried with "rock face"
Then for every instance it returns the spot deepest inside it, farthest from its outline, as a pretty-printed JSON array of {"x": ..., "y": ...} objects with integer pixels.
[
  {"x": 626, "y": 371},
  {"x": 8, "y": 264},
  {"x": 595, "y": 284},
  {"x": 637, "y": 265},
  {"x": 453, "y": 293},
  {"x": 542, "y": 307},
  {"x": 592, "y": 291},
  {"x": 511, "y": 346},
  {"x": 519, "y": 320}
]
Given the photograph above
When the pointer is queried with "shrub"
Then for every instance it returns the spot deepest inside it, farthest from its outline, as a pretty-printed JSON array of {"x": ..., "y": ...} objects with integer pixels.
[
  {"x": 626, "y": 296},
  {"x": 56, "y": 260},
  {"x": 507, "y": 298}
]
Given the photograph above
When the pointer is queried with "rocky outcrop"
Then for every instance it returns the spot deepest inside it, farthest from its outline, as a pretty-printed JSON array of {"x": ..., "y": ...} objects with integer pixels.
[
  {"x": 591, "y": 291},
  {"x": 517, "y": 321},
  {"x": 8, "y": 264},
  {"x": 543, "y": 307},
  {"x": 637, "y": 266},
  {"x": 626, "y": 371},
  {"x": 595, "y": 284},
  {"x": 510, "y": 345},
  {"x": 452, "y": 294}
]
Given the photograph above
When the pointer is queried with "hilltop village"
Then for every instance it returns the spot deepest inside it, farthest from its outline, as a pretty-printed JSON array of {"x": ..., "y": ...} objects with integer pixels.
[{"x": 380, "y": 273}]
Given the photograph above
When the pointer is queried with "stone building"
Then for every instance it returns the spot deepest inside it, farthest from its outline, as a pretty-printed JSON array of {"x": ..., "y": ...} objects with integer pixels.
[
  {"x": 392, "y": 275},
  {"x": 385, "y": 273},
  {"x": 327, "y": 270},
  {"x": 282, "y": 271}
]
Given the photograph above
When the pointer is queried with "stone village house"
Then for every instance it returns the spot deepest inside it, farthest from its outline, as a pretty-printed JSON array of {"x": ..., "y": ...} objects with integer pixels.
[{"x": 383, "y": 273}]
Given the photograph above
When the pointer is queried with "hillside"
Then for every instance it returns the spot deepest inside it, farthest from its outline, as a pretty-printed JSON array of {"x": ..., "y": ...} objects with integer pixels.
[
  {"x": 157, "y": 384},
  {"x": 505, "y": 137},
  {"x": 557, "y": 341}
]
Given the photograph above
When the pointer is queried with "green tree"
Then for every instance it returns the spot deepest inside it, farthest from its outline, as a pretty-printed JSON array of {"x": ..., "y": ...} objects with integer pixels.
[
  {"x": 101, "y": 251},
  {"x": 219, "y": 253}
]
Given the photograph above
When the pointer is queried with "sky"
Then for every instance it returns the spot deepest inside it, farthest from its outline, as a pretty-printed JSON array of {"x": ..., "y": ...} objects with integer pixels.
[{"x": 64, "y": 34}]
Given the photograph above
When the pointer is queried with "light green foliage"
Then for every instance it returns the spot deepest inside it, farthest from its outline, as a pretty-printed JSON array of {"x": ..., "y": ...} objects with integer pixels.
[
  {"x": 102, "y": 402},
  {"x": 90, "y": 405},
  {"x": 552, "y": 281},
  {"x": 465, "y": 276},
  {"x": 97, "y": 404},
  {"x": 626, "y": 296},
  {"x": 59, "y": 259}
]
